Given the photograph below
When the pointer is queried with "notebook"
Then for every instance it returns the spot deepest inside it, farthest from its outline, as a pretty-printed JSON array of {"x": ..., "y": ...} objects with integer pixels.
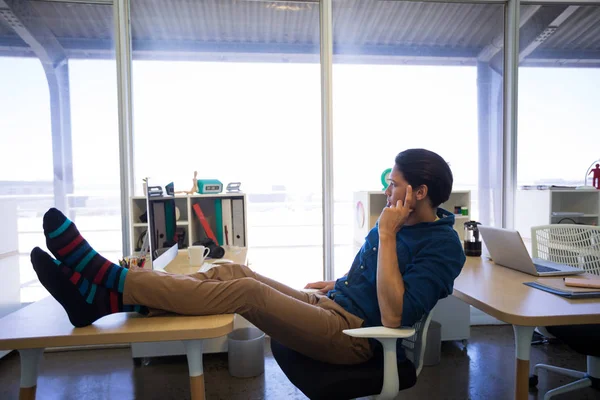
[{"x": 557, "y": 286}]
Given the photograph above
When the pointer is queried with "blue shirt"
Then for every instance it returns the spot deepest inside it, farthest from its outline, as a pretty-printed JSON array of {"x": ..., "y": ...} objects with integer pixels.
[{"x": 430, "y": 257}]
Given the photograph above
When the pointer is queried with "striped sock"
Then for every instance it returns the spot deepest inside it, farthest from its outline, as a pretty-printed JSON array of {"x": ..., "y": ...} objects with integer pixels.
[
  {"x": 83, "y": 301},
  {"x": 66, "y": 244}
]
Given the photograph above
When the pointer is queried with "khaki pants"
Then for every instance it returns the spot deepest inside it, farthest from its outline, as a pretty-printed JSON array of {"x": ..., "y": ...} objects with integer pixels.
[{"x": 308, "y": 323}]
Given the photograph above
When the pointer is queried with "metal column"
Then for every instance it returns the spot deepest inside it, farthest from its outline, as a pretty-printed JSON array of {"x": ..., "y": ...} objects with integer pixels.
[
  {"x": 123, "y": 55},
  {"x": 326, "y": 25}
]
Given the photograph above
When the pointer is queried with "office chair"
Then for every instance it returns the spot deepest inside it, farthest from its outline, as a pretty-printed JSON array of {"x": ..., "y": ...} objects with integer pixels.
[
  {"x": 583, "y": 339},
  {"x": 381, "y": 375},
  {"x": 571, "y": 244},
  {"x": 579, "y": 246},
  {"x": 575, "y": 245}
]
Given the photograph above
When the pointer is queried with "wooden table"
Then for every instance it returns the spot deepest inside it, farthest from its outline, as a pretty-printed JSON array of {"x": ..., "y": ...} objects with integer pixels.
[
  {"x": 45, "y": 324},
  {"x": 500, "y": 292}
]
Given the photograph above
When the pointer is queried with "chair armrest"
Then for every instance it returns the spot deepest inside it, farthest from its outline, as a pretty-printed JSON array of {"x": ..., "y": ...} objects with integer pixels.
[
  {"x": 382, "y": 332},
  {"x": 388, "y": 338}
]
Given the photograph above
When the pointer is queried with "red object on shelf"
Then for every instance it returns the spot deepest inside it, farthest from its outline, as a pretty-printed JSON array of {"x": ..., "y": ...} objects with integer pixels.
[
  {"x": 596, "y": 176},
  {"x": 205, "y": 223}
]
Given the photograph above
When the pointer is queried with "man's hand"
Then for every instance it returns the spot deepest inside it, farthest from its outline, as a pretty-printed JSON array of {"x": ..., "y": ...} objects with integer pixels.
[
  {"x": 322, "y": 286},
  {"x": 393, "y": 217}
]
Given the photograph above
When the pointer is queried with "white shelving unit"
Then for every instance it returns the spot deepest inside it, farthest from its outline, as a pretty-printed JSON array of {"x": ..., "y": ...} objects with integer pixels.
[
  {"x": 544, "y": 207},
  {"x": 453, "y": 314},
  {"x": 187, "y": 218}
]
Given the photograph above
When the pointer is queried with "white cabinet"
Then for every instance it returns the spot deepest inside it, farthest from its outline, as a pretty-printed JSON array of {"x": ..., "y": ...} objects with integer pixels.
[
  {"x": 188, "y": 222},
  {"x": 452, "y": 313},
  {"x": 544, "y": 207}
]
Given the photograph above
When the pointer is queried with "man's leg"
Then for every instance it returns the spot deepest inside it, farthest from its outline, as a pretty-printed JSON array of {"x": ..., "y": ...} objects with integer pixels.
[
  {"x": 314, "y": 330},
  {"x": 66, "y": 244},
  {"x": 228, "y": 272}
]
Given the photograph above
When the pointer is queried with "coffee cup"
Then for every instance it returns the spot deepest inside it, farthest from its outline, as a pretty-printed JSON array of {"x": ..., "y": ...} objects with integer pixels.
[{"x": 197, "y": 254}]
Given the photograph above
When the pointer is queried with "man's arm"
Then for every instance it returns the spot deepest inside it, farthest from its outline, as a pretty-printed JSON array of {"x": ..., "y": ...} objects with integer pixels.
[
  {"x": 390, "y": 285},
  {"x": 430, "y": 277}
]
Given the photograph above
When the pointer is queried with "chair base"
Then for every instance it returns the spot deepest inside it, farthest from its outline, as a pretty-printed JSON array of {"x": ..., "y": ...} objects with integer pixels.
[
  {"x": 322, "y": 381},
  {"x": 589, "y": 379}
]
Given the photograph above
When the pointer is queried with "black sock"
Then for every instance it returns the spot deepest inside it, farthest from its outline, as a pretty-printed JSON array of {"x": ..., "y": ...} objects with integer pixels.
[
  {"x": 66, "y": 244},
  {"x": 84, "y": 302}
]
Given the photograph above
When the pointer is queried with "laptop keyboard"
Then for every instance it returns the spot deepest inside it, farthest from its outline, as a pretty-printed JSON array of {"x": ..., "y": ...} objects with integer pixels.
[{"x": 543, "y": 268}]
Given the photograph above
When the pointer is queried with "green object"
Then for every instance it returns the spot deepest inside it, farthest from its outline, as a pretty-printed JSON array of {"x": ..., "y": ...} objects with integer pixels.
[
  {"x": 385, "y": 178},
  {"x": 464, "y": 211},
  {"x": 170, "y": 220},
  {"x": 207, "y": 186},
  {"x": 219, "y": 222}
]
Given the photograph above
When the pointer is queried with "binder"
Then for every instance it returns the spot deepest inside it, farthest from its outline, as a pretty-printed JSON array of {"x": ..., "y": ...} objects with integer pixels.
[
  {"x": 204, "y": 222},
  {"x": 219, "y": 222},
  {"x": 227, "y": 219},
  {"x": 237, "y": 211}
]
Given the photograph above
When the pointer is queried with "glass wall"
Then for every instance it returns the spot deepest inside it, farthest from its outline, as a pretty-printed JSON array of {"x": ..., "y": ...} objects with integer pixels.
[
  {"x": 58, "y": 117},
  {"x": 231, "y": 89},
  {"x": 406, "y": 75},
  {"x": 559, "y": 99}
]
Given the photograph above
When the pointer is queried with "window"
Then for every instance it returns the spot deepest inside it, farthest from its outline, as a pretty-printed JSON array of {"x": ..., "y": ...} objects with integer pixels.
[
  {"x": 59, "y": 120},
  {"x": 232, "y": 90},
  {"x": 558, "y": 142},
  {"x": 409, "y": 74}
]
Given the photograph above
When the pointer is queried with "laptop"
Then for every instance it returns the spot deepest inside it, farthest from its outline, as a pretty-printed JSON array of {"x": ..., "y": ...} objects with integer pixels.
[{"x": 506, "y": 248}]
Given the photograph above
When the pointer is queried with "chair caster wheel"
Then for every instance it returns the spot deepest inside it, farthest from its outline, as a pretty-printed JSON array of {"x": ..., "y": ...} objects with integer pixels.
[{"x": 533, "y": 381}]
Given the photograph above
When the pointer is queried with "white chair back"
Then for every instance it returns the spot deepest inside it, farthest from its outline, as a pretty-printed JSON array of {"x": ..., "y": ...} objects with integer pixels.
[
  {"x": 414, "y": 346},
  {"x": 575, "y": 245}
]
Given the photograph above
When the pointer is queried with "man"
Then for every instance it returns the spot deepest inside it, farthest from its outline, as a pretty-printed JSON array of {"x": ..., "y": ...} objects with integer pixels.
[{"x": 408, "y": 262}]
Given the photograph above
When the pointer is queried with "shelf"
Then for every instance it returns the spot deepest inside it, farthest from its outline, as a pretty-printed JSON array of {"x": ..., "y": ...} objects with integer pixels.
[
  {"x": 575, "y": 216},
  {"x": 224, "y": 194},
  {"x": 142, "y": 224}
]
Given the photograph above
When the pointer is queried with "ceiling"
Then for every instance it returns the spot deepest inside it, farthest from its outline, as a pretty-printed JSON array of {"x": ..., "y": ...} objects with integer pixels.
[{"x": 365, "y": 31}]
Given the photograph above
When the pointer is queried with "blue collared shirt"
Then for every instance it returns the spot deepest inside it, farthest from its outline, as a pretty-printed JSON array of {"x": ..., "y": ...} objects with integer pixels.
[{"x": 430, "y": 257}]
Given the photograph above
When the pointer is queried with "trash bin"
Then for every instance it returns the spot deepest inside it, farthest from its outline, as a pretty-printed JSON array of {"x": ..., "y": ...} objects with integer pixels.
[
  {"x": 246, "y": 352},
  {"x": 433, "y": 349}
]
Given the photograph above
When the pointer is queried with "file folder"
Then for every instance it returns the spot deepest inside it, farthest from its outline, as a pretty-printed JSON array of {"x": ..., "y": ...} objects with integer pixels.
[
  {"x": 219, "y": 222},
  {"x": 237, "y": 210},
  {"x": 227, "y": 222}
]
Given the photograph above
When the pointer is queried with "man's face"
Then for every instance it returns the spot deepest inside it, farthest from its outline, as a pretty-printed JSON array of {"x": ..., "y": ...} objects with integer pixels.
[{"x": 396, "y": 189}]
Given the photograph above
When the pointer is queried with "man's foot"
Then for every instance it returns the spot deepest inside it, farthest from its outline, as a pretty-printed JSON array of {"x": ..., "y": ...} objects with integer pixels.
[
  {"x": 83, "y": 301},
  {"x": 66, "y": 244}
]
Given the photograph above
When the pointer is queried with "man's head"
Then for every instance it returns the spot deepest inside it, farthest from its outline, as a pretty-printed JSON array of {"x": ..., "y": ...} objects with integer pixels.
[{"x": 428, "y": 174}]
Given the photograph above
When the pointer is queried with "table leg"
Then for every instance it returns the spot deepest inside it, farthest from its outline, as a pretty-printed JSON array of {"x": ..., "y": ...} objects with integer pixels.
[
  {"x": 523, "y": 335},
  {"x": 30, "y": 362},
  {"x": 193, "y": 349}
]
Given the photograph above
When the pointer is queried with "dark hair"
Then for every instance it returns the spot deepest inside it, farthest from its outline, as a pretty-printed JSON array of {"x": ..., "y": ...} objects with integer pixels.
[{"x": 424, "y": 167}]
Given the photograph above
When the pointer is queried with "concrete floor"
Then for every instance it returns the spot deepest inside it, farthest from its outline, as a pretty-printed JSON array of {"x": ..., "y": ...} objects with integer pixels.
[{"x": 484, "y": 371}]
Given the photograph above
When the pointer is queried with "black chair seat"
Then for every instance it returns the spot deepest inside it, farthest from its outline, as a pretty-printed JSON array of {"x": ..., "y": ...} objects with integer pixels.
[
  {"x": 584, "y": 339},
  {"x": 319, "y": 380}
]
